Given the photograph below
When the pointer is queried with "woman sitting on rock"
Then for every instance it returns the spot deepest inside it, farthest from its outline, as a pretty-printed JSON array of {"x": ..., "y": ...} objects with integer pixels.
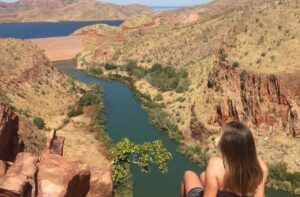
[{"x": 238, "y": 173}]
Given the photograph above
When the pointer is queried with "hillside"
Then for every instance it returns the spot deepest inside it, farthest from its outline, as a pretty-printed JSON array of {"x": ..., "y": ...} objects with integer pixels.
[
  {"x": 32, "y": 88},
  {"x": 66, "y": 10},
  {"x": 242, "y": 59},
  {"x": 27, "y": 78}
]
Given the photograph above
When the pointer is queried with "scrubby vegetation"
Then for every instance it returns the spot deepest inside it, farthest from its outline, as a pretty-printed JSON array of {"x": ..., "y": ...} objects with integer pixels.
[
  {"x": 280, "y": 178},
  {"x": 39, "y": 122},
  {"x": 110, "y": 67},
  {"x": 126, "y": 153},
  {"x": 96, "y": 71},
  {"x": 165, "y": 78},
  {"x": 94, "y": 97},
  {"x": 74, "y": 111}
]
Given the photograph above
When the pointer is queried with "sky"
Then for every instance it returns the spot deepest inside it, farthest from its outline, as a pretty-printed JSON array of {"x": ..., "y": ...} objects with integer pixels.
[{"x": 152, "y": 2}]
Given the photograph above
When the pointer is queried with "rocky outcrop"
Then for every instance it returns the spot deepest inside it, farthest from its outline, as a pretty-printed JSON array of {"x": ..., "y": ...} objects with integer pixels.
[
  {"x": 264, "y": 101},
  {"x": 197, "y": 128},
  {"x": 20, "y": 178},
  {"x": 62, "y": 177},
  {"x": 9, "y": 139},
  {"x": 101, "y": 183},
  {"x": 51, "y": 174}
]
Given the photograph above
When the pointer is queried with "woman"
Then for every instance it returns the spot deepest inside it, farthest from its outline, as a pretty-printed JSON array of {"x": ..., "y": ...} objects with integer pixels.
[{"x": 238, "y": 173}]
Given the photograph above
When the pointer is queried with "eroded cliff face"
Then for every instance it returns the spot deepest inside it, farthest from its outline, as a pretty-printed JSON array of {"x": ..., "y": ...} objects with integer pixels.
[
  {"x": 265, "y": 102},
  {"x": 50, "y": 174},
  {"x": 10, "y": 144}
]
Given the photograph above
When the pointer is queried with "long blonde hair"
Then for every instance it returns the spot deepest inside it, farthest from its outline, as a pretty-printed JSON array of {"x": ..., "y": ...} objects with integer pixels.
[{"x": 243, "y": 172}]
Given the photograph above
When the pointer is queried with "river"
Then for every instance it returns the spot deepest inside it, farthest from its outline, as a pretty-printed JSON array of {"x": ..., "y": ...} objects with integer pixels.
[
  {"x": 126, "y": 118},
  {"x": 124, "y": 114}
]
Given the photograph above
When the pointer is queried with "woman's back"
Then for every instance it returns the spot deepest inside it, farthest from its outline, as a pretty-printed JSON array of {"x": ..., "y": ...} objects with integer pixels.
[
  {"x": 240, "y": 172},
  {"x": 215, "y": 172}
]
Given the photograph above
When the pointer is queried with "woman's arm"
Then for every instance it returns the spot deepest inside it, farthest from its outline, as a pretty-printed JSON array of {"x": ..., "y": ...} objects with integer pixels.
[
  {"x": 260, "y": 191},
  {"x": 211, "y": 182}
]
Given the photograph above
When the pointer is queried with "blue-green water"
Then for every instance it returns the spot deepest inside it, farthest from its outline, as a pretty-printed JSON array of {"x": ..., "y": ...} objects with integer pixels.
[
  {"x": 126, "y": 118},
  {"x": 46, "y": 29}
]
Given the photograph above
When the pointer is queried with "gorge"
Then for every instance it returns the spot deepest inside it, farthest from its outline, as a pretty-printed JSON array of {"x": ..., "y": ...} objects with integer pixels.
[{"x": 246, "y": 70}]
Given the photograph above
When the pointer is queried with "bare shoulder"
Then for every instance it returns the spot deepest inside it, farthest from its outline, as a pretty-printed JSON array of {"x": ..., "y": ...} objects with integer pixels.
[
  {"x": 263, "y": 166},
  {"x": 215, "y": 163}
]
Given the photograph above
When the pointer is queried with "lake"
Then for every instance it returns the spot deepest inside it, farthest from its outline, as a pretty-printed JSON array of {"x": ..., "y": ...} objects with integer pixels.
[
  {"x": 124, "y": 114},
  {"x": 46, "y": 29}
]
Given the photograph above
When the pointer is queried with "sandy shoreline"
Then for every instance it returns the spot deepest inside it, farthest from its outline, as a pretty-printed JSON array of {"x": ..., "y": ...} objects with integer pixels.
[{"x": 60, "y": 48}]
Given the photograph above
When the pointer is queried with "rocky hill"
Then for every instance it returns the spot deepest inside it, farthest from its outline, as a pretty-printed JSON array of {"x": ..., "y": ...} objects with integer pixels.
[
  {"x": 243, "y": 63},
  {"x": 67, "y": 10},
  {"x": 28, "y": 77},
  {"x": 35, "y": 98}
]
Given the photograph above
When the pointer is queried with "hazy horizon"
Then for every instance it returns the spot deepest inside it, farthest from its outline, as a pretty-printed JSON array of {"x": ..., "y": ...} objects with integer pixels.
[{"x": 152, "y": 3}]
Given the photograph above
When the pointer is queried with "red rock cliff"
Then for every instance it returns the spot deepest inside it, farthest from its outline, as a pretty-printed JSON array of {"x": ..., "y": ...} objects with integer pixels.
[
  {"x": 9, "y": 139},
  {"x": 268, "y": 102}
]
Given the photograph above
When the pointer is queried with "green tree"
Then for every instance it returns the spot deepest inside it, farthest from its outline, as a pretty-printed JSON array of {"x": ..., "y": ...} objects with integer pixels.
[
  {"x": 96, "y": 71},
  {"x": 39, "y": 122},
  {"x": 131, "y": 66},
  {"x": 143, "y": 155},
  {"x": 91, "y": 97}
]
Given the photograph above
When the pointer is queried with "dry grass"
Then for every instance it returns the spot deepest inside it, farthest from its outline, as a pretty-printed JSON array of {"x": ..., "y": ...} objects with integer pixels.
[
  {"x": 263, "y": 36},
  {"x": 81, "y": 142}
]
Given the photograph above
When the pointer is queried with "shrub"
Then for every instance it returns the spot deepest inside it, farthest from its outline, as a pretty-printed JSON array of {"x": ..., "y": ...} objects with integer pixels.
[
  {"x": 261, "y": 40},
  {"x": 180, "y": 99},
  {"x": 168, "y": 78},
  {"x": 131, "y": 66},
  {"x": 258, "y": 61},
  {"x": 223, "y": 56},
  {"x": 110, "y": 67},
  {"x": 158, "y": 97},
  {"x": 279, "y": 172},
  {"x": 75, "y": 111},
  {"x": 235, "y": 65},
  {"x": 243, "y": 76},
  {"x": 182, "y": 86},
  {"x": 272, "y": 78},
  {"x": 91, "y": 97},
  {"x": 273, "y": 58},
  {"x": 96, "y": 71},
  {"x": 39, "y": 122}
]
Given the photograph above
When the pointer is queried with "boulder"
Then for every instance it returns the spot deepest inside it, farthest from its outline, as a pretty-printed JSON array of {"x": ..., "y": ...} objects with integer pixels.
[
  {"x": 20, "y": 177},
  {"x": 15, "y": 186},
  {"x": 62, "y": 177},
  {"x": 101, "y": 182},
  {"x": 25, "y": 164},
  {"x": 9, "y": 139}
]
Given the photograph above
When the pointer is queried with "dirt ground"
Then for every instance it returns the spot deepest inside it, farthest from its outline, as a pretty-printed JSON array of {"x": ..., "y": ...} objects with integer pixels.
[{"x": 60, "y": 48}]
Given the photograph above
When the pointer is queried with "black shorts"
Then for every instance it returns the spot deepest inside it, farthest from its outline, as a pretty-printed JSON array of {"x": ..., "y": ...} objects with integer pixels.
[
  {"x": 196, "y": 192},
  {"x": 199, "y": 192}
]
